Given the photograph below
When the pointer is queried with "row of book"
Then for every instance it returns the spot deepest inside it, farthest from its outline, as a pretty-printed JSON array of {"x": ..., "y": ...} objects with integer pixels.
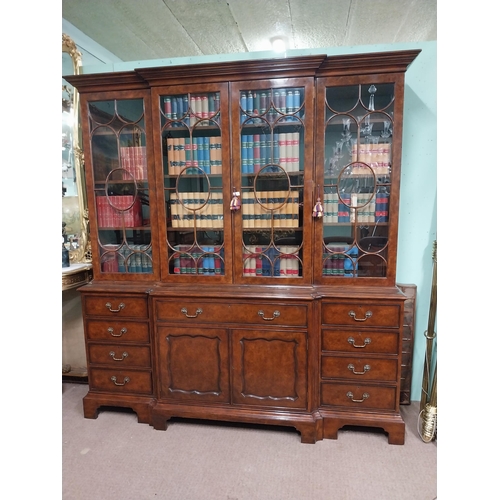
[
  {"x": 378, "y": 156},
  {"x": 126, "y": 259},
  {"x": 134, "y": 160},
  {"x": 200, "y": 153},
  {"x": 281, "y": 261},
  {"x": 340, "y": 260},
  {"x": 204, "y": 210},
  {"x": 351, "y": 207},
  {"x": 205, "y": 260},
  {"x": 270, "y": 209},
  {"x": 258, "y": 150},
  {"x": 190, "y": 109},
  {"x": 270, "y": 104},
  {"x": 119, "y": 211}
]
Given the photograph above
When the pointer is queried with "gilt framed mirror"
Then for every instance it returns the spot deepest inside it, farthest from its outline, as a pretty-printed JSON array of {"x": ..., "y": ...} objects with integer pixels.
[{"x": 74, "y": 202}]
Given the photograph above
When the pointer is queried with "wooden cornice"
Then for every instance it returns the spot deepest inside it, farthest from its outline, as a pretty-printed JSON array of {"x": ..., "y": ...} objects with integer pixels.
[
  {"x": 367, "y": 64},
  {"x": 102, "y": 82},
  {"x": 294, "y": 67}
]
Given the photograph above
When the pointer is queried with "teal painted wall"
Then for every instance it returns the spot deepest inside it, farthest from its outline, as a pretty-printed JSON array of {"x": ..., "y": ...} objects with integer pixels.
[{"x": 418, "y": 204}]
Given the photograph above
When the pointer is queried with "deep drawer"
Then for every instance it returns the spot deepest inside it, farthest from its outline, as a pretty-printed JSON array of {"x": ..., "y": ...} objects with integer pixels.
[
  {"x": 361, "y": 314},
  {"x": 360, "y": 342},
  {"x": 359, "y": 368},
  {"x": 358, "y": 396},
  {"x": 123, "y": 331},
  {"x": 116, "y": 306},
  {"x": 267, "y": 314},
  {"x": 120, "y": 355},
  {"x": 120, "y": 381}
]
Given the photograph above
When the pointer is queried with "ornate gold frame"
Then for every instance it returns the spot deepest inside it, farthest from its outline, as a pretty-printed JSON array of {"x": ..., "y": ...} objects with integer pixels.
[{"x": 83, "y": 254}]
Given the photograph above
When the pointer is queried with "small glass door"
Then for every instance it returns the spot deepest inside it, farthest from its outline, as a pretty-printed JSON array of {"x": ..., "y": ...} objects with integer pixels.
[
  {"x": 272, "y": 148},
  {"x": 121, "y": 187},
  {"x": 193, "y": 133},
  {"x": 357, "y": 175}
]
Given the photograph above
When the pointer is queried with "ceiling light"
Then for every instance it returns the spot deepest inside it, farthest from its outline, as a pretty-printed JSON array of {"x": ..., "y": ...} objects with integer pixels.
[{"x": 279, "y": 44}]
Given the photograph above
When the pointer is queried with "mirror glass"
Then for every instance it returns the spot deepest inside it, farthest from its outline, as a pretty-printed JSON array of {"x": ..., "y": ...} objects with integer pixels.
[{"x": 74, "y": 206}]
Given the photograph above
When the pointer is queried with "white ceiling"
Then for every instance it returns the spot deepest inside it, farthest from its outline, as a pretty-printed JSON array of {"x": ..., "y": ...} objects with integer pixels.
[{"x": 156, "y": 29}]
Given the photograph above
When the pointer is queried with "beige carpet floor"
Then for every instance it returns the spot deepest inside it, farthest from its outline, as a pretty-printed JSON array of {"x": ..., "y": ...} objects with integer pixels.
[{"x": 115, "y": 458}]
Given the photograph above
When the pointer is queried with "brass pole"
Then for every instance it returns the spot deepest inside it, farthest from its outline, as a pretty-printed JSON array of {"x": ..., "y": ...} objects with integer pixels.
[{"x": 430, "y": 333}]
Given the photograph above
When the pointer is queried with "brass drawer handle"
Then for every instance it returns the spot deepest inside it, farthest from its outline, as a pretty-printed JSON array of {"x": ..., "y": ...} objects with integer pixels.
[
  {"x": 366, "y": 368},
  {"x": 368, "y": 314},
  {"x": 185, "y": 312},
  {"x": 125, "y": 380},
  {"x": 112, "y": 354},
  {"x": 350, "y": 395},
  {"x": 367, "y": 341},
  {"x": 111, "y": 331},
  {"x": 276, "y": 314},
  {"x": 121, "y": 305}
]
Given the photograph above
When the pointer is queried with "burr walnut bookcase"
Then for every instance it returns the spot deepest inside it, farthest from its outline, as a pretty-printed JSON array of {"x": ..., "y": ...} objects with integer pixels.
[{"x": 244, "y": 220}]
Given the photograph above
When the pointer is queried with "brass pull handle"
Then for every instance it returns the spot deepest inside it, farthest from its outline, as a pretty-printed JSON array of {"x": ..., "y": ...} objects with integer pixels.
[
  {"x": 366, "y": 368},
  {"x": 368, "y": 314},
  {"x": 111, "y": 331},
  {"x": 185, "y": 312},
  {"x": 125, "y": 380},
  {"x": 367, "y": 341},
  {"x": 276, "y": 314},
  {"x": 121, "y": 305},
  {"x": 350, "y": 395},
  {"x": 112, "y": 354}
]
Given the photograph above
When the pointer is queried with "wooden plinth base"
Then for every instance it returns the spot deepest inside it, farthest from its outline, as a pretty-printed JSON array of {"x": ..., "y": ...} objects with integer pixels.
[
  {"x": 140, "y": 405},
  {"x": 392, "y": 424},
  {"x": 308, "y": 425}
]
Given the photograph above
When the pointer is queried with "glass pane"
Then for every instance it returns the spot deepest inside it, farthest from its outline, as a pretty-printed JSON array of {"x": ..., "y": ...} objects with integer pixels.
[
  {"x": 192, "y": 167},
  {"x": 118, "y": 144},
  {"x": 357, "y": 183},
  {"x": 272, "y": 180}
]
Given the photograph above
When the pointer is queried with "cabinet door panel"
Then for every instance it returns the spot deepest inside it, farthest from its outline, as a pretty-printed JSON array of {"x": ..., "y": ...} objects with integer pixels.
[
  {"x": 269, "y": 368},
  {"x": 193, "y": 364}
]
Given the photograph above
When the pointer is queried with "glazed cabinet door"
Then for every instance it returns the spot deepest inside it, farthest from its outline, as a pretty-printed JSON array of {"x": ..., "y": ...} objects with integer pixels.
[
  {"x": 272, "y": 141},
  {"x": 191, "y": 134},
  {"x": 358, "y": 157},
  {"x": 119, "y": 179}
]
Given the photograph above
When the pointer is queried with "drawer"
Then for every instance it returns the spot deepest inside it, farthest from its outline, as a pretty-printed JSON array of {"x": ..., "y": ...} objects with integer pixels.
[
  {"x": 120, "y": 381},
  {"x": 360, "y": 342},
  {"x": 359, "y": 368},
  {"x": 255, "y": 313},
  {"x": 120, "y": 355},
  {"x": 124, "y": 331},
  {"x": 116, "y": 305},
  {"x": 357, "y": 314},
  {"x": 358, "y": 396}
]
